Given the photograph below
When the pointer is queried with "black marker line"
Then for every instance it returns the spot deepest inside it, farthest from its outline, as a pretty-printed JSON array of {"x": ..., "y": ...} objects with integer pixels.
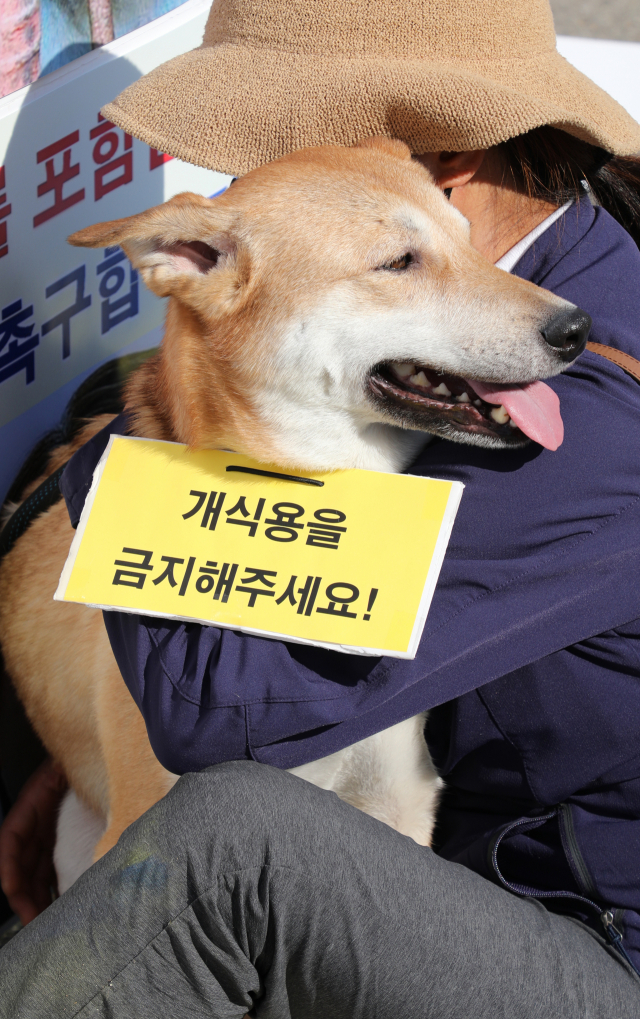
[{"x": 274, "y": 474}]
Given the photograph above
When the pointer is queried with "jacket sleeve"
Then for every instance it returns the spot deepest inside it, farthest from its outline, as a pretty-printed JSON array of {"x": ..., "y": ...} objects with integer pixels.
[{"x": 77, "y": 476}]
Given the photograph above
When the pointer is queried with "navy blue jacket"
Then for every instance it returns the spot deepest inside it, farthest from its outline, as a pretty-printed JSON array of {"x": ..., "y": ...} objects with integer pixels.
[{"x": 531, "y": 651}]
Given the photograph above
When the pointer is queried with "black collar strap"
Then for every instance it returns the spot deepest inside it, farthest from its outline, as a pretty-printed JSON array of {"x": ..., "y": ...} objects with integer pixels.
[{"x": 46, "y": 495}]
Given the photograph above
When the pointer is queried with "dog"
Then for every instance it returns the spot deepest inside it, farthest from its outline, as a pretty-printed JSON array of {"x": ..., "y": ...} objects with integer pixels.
[{"x": 327, "y": 311}]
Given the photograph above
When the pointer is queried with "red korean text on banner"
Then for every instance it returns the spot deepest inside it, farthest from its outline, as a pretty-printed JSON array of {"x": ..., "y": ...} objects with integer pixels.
[
  {"x": 157, "y": 158},
  {"x": 5, "y": 210},
  {"x": 113, "y": 170},
  {"x": 55, "y": 181}
]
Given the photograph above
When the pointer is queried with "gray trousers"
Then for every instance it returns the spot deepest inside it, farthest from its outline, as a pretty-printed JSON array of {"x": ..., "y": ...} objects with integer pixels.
[{"x": 248, "y": 890}]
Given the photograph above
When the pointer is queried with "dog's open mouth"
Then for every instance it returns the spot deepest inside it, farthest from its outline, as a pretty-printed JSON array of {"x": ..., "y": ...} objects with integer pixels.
[{"x": 451, "y": 406}]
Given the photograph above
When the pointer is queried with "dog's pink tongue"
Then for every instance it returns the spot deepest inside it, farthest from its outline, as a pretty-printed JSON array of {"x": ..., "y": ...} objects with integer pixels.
[{"x": 533, "y": 407}]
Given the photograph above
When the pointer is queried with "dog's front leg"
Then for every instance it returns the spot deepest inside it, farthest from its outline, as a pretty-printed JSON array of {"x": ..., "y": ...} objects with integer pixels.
[{"x": 136, "y": 779}]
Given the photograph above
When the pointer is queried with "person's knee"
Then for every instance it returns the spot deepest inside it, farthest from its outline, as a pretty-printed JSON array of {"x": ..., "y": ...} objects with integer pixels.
[
  {"x": 238, "y": 784},
  {"x": 264, "y": 809},
  {"x": 247, "y": 796}
]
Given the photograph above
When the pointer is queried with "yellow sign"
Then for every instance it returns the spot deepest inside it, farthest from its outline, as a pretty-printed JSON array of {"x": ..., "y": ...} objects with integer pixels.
[{"x": 347, "y": 560}]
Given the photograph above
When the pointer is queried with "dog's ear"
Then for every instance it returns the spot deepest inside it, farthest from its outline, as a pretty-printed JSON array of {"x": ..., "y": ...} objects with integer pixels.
[
  {"x": 173, "y": 245},
  {"x": 390, "y": 146}
]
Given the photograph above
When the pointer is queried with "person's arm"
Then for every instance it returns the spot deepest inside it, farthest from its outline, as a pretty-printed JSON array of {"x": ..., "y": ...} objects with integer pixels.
[
  {"x": 27, "y": 838},
  {"x": 545, "y": 551}
]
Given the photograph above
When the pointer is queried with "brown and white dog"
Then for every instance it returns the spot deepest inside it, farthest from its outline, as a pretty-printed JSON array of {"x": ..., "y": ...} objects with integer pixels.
[{"x": 327, "y": 311}]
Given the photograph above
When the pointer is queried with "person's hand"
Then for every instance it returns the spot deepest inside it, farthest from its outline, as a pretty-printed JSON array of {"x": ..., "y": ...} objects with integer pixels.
[{"x": 27, "y": 839}]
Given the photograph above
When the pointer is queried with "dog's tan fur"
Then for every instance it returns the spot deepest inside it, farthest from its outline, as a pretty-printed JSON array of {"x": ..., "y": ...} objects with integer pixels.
[
  {"x": 295, "y": 238},
  {"x": 75, "y": 696}
]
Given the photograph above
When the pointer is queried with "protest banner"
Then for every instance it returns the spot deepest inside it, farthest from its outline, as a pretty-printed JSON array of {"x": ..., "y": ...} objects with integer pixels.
[
  {"x": 216, "y": 538},
  {"x": 64, "y": 311}
]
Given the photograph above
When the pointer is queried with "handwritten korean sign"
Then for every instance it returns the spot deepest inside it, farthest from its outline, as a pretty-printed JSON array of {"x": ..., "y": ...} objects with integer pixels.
[{"x": 217, "y": 538}]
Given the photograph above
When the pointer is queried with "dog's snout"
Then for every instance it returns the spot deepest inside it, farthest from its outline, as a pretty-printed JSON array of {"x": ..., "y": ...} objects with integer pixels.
[{"x": 567, "y": 332}]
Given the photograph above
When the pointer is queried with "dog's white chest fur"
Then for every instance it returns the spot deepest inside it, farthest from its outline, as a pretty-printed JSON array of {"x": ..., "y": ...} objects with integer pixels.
[
  {"x": 389, "y": 775},
  {"x": 78, "y": 833}
]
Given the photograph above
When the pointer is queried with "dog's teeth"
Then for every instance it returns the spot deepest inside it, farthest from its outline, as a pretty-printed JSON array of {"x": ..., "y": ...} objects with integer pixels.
[
  {"x": 419, "y": 380},
  {"x": 477, "y": 403},
  {"x": 402, "y": 370},
  {"x": 441, "y": 390},
  {"x": 499, "y": 415},
  {"x": 463, "y": 398}
]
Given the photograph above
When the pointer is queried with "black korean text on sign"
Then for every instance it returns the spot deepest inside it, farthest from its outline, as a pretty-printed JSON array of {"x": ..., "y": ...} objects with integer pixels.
[
  {"x": 133, "y": 575},
  {"x": 255, "y": 582},
  {"x": 169, "y": 576},
  {"x": 187, "y": 576},
  {"x": 250, "y": 584},
  {"x": 284, "y": 526},
  {"x": 289, "y": 593},
  {"x": 171, "y": 562},
  {"x": 206, "y": 581},
  {"x": 335, "y": 597},
  {"x": 308, "y": 594},
  {"x": 324, "y": 530},
  {"x": 225, "y": 583},
  {"x": 212, "y": 509},
  {"x": 241, "y": 508}
]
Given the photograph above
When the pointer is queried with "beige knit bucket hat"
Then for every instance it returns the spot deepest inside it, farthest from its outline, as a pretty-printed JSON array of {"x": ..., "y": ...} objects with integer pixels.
[{"x": 273, "y": 76}]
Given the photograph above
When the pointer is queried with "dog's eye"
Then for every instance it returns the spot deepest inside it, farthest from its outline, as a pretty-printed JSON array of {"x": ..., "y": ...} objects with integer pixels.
[{"x": 399, "y": 263}]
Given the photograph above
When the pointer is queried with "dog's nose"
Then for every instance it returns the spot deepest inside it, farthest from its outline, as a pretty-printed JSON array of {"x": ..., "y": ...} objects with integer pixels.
[{"x": 567, "y": 332}]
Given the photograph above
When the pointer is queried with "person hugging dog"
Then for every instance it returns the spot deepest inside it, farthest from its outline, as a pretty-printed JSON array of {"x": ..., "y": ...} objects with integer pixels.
[{"x": 248, "y": 890}]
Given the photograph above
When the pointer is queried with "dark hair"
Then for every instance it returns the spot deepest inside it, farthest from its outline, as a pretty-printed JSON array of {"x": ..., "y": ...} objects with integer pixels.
[{"x": 551, "y": 164}]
